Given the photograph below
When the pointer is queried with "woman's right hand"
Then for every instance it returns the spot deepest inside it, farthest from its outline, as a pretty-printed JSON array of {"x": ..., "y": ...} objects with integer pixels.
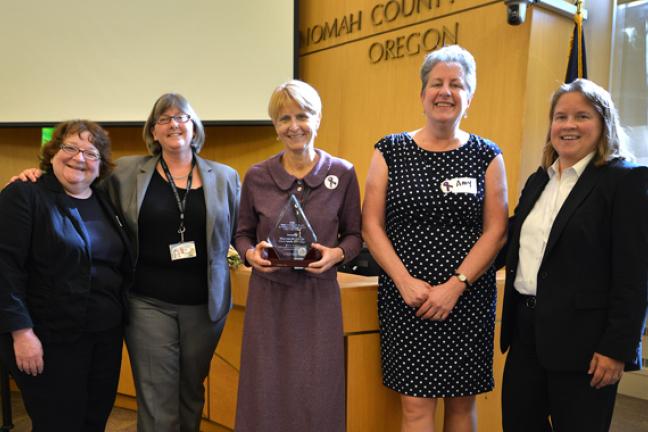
[
  {"x": 256, "y": 257},
  {"x": 29, "y": 174},
  {"x": 414, "y": 291},
  {"x": 29, "y": 351}
]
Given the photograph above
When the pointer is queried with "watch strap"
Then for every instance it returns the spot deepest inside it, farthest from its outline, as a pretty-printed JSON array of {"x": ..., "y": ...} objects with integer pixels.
[{"x": 463, "y": 278}]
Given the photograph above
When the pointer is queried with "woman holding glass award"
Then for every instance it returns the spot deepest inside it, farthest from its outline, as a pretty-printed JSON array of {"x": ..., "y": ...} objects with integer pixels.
[{"x": 300, "y": 209}]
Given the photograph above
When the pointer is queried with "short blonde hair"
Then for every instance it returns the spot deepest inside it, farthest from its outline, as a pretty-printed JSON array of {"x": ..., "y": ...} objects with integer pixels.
[
  {"x": 613, "y": 142},
  {"x": 295, "y": 91}
]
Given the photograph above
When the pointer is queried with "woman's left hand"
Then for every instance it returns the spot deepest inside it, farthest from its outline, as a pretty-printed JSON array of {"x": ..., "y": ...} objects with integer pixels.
[
  {"x": 604, "y": 370},
  {"x": 441, "y": 300},
  {"x": 257, "y": 258},
  {"x": 330, "y": 257}
]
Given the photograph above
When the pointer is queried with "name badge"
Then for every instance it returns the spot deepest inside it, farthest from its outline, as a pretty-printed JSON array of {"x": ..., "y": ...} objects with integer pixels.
[
  {"x": 182, "y": 250},
  {"x": 459, "y": 185}
]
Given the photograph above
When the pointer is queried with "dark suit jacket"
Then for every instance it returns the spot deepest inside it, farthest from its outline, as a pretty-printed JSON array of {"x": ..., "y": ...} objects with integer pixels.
[
  {"x": 45, "y": 260},
  {"x": 592, "y": 286},
  {"x": 221, "y": 186}
]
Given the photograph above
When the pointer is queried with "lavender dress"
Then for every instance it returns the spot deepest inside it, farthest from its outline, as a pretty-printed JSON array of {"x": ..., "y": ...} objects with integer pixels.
[{"x": 292, "y": 361}]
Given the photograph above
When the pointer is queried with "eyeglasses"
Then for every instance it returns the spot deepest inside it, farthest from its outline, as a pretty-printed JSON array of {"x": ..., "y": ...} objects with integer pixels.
[
  {"x": 89, "y": 154},
  {"x": 182, "y": 118}
]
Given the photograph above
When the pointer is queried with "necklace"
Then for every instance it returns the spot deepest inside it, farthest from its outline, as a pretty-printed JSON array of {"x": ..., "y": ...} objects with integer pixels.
[{"x": 180, "y": 177}]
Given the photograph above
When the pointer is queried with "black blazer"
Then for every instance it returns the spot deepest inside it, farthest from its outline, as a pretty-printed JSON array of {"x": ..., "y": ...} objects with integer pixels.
[
  {"x": 45, "y": 260},
  {"x": 592, "y": 287}
]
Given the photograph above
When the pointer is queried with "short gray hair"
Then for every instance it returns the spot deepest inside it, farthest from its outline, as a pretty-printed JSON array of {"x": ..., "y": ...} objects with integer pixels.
[
  {"x": 451, "y": 54},
  {"x": 164, "y": 102}
]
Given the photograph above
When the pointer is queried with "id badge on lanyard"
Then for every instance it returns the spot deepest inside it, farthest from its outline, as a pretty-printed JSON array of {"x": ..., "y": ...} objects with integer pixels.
[{"x": 183, "y": 249}]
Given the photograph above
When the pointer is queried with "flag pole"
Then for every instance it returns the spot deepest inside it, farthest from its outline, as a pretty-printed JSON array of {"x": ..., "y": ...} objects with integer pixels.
[{"x": 579, "y": 23}]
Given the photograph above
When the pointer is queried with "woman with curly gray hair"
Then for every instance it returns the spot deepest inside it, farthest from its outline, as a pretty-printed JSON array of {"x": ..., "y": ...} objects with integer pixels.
[{"x": 434, "y": 217}]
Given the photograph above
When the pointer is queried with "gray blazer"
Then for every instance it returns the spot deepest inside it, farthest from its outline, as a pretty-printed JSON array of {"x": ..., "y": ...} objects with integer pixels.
[{"x": 221, "y": 185}]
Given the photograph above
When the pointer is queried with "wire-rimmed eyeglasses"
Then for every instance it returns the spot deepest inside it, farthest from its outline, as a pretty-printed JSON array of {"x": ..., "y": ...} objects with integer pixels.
[
  {"x": 181, "y": 118},
  {"x": 73, "y": 150}
]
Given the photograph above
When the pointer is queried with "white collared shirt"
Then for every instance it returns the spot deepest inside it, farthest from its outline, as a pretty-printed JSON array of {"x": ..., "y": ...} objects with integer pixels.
[{"x": 537, "y": 226}]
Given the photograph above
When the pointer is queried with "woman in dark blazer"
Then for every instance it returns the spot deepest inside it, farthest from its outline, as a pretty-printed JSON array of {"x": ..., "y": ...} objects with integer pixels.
[
  {"x": 65, "y": 264},
  {"x": 577, "y": 272}
]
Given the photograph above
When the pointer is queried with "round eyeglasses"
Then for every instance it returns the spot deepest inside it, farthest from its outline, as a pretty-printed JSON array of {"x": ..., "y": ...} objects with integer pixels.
[
  {"x": 182, "y": 118},
  {"x": 73, "y": 150}
]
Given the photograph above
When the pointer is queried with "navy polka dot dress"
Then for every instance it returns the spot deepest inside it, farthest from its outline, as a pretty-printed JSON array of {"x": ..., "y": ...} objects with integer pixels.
[{"x": 433, "y": 218}]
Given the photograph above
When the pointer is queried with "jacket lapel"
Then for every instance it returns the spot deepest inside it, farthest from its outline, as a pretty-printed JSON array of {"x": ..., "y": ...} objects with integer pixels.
[
  {"x": 528, "y": 199},
  {"x": 144, "y": 175},
  {"x": 209, "y": 189},
  {"x": 581, "y": 190}
]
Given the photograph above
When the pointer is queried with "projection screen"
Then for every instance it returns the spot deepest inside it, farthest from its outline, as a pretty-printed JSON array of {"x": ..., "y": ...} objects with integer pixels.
[{"x": 109, "y": 60}]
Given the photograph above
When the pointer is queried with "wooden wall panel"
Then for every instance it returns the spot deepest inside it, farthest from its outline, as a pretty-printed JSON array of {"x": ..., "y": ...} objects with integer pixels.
[
  {"x": 370, "y": 406},
  {"x": 364, "y": 101},
  {"x": 19, "y": 149},
  {"x": 223, "y": 381},
  {"x": 362, "y": 18},
  {"x": 126, "y": 383},
  {"x": 518, "y": 68},
  {"x": 237, "y": 146},
  {"x": 545, "y": 73},
  {"x": 229, "y": 348}
]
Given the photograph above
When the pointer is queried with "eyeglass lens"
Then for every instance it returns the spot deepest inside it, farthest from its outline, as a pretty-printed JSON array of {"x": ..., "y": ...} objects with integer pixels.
[
  {"x": 182, "y": 118},
  {"x": 73, "y": 150}
]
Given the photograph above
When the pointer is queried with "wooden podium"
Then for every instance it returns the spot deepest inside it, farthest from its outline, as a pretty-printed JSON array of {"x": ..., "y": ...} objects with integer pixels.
[{"x": 370, "y": 406}]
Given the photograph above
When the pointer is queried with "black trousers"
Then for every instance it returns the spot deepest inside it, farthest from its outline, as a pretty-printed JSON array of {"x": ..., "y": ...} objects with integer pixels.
[
  {"x": 76, "y": 391},
  {"x": 535, "y": 399}
]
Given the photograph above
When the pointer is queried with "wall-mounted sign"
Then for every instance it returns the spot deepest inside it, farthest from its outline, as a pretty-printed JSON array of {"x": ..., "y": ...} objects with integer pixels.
[
  {"x": 413, "y": 43},
  {"x": 386, "y": 18}
]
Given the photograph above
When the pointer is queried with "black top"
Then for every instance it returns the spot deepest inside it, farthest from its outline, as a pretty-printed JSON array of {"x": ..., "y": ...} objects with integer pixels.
[
  {"x": 106, "y": 249},
  {"x": 182, "y": 281}
]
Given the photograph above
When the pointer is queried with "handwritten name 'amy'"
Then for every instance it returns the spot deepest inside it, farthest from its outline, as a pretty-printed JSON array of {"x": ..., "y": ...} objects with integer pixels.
[{"x": 459, "y": 185}]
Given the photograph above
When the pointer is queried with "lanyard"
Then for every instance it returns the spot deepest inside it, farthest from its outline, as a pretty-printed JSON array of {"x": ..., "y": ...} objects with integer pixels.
[{"x": 182, "y": 205}]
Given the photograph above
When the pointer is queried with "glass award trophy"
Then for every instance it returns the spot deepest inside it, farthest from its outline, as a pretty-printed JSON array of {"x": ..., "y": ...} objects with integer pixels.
[{"x": 291, "y": 238}]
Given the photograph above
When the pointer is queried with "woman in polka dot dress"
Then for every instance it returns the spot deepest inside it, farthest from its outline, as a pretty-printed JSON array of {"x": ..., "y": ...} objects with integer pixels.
[{"x": 434, "y": 217}]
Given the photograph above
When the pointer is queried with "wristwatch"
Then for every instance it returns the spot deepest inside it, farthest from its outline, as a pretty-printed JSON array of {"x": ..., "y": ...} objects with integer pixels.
[{"x": 463, "y": 278}]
